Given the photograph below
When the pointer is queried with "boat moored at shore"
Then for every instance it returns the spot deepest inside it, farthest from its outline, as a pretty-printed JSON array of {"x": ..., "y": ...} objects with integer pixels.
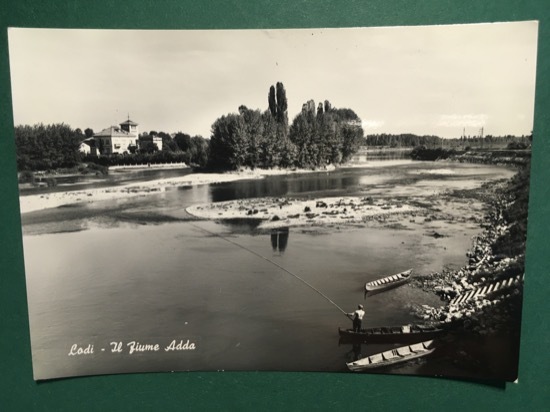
[
  {"x": 391, "y": 357},
  {"x": 388, "y": 282},
  {"x": 392, "y": 334}
]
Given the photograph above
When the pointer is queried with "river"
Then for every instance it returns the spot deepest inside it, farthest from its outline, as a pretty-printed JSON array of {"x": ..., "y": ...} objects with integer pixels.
[{"x": 142, "y": 270}]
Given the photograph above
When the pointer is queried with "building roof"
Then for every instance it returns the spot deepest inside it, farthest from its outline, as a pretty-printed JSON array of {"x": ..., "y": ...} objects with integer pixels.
[
  {"x": 90, "y": 141},
  {"x": 130, "y": 122},
  {"x": 114, "y": 131}
]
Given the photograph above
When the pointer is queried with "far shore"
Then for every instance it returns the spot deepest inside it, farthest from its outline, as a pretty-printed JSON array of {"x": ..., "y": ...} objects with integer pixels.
[{"x": 35, "y": 202}]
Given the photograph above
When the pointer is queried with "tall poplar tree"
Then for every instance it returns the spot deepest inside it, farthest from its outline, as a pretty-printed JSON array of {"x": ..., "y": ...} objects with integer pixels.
[
  {"x": 282, "y": 105},
  {"x": 272, "y": 101}
]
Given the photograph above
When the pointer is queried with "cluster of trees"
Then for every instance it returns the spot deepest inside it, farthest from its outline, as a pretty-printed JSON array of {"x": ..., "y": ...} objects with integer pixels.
[
  {"x": 431, "y": 153},
  {"x": 317, "y": 136},
  {"x": 195, "y": 148},
  {"x": 254, "y": 138},
  {"x": 191, "y": 150},
  {"x": 45, "y": 147},
  {"x": 517, "y": 145},
  {"x": 325, "y": 135}
]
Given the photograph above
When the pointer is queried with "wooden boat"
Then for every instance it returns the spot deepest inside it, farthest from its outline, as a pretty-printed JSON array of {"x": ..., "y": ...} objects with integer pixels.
[
  {"x": 389, "y": 282},
  {"x": 392, "y": 334},
  {"x": 392, "y": 357}
]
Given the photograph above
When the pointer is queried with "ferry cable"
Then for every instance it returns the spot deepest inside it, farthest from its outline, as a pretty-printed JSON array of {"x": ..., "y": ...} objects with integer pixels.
[{"x": 272, "y": 262}]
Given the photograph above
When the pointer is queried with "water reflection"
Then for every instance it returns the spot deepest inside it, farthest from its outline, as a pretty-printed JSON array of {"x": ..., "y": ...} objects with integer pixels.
[
  {"x": 114, "y": 178},
  {"x": 279, "y": 239},
  {"x": 355, "y": 353},
  {"x": 196, "y": 295},
  {"x": 388, "y": 154},
  {"x": 277, "y": 186}
]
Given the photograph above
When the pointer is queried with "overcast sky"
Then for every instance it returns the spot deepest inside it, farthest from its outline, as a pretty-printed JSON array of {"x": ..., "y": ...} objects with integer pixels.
[{"x": 423, "y": 80}]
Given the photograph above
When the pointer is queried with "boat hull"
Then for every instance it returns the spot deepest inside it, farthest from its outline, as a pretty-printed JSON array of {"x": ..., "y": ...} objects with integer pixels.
[
  {"x": 393, "y": 357},
  {"x": 390, "y": 334},
  {"x": 388, "y": 282}
]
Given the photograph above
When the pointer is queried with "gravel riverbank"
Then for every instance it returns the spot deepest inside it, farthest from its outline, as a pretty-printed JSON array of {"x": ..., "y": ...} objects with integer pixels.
[{"x": 485, "y": 296}]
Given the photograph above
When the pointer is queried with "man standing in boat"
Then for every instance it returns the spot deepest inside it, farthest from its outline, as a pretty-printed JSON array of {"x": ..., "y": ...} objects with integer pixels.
[{"x": 357, "y": 318}]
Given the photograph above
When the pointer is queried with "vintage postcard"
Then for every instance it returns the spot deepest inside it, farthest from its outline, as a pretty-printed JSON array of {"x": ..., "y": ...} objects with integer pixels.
[{"x": 346, "y": 200}]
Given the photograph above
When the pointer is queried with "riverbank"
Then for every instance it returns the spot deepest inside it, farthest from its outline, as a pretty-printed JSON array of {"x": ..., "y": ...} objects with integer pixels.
[
  {"x": 494, "y": 157},
  {"x": 485, "y": 296},
  {"x": 35, "y": 202},
  {"x": 509, "y": 157}
]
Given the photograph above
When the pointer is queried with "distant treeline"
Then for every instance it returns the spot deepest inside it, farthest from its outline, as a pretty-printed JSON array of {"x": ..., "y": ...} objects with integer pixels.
[
  {"x": 50, "y": 147},
  {"x": 401, "y": 140},
  {"x": 317, "y": 136},
  {"x": 412, "y": 140}
]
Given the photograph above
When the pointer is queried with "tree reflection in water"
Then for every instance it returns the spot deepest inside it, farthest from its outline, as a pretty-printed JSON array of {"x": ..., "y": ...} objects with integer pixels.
[{"x": 279, "y": 239}]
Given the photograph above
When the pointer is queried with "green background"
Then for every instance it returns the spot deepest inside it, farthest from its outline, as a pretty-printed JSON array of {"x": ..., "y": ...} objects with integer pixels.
[{"x": 265, "y": 390}]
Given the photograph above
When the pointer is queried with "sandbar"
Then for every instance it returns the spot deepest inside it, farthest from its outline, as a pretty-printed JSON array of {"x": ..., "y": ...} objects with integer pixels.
[
  {"x": 289, "y": 212},
  {"x": 31, "y": 203}
]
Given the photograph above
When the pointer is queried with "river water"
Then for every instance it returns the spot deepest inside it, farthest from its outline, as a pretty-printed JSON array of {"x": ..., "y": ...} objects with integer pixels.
[{"x": 142, "y": 270}]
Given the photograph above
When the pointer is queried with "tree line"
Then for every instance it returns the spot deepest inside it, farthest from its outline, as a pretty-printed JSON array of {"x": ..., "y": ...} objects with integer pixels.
[
  {"x": 401, "y": 140},
  {"x": 317, "y": 136},
  {"x": 55, "y": 146},
  {"x": 430, "y": 141}
]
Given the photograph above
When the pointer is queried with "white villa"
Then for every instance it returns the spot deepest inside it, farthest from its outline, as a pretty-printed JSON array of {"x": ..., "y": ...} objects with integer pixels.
[
  {"x": 117, "y": 139},
  {"x": 120, "y": 139}
]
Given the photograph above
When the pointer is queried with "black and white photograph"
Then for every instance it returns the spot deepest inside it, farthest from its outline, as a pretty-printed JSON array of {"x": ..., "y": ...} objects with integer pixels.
[{"x": 348, "y": 200}]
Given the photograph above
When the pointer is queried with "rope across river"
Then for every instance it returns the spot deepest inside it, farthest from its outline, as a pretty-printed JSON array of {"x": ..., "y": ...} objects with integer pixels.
[{"x": 273, "y": 263}]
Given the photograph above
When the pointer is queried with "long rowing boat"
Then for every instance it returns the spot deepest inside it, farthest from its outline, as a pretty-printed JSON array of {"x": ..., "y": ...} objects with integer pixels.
[
  {"x": 389, "y": 282},
  {"x": 391, "y": 357},
  {"x": 392, "y": 334}
]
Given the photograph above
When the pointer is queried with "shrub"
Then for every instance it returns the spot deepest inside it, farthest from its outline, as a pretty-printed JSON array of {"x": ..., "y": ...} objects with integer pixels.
[
  {"x": 51, "y": 182},
  {"x": 26, "y": 176}
]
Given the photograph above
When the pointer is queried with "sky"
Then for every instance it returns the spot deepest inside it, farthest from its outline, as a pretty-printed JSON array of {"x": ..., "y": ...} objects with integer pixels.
[{"x": 427, "y": 80}]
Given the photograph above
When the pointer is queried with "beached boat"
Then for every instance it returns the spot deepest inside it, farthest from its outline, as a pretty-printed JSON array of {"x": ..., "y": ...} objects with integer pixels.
[
  {"x": 391, "y": 357},
  {"x": 389, "y": 282},
  {"x": 392, "y": 334}
]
